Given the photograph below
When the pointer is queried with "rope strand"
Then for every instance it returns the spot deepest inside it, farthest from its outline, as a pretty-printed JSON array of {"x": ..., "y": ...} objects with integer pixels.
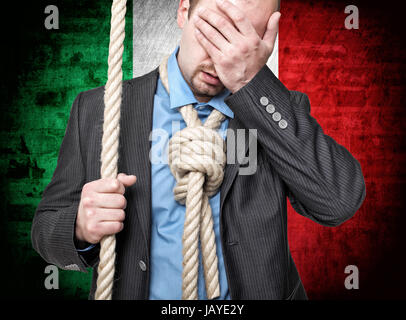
[{"x": 110, "y": 141}]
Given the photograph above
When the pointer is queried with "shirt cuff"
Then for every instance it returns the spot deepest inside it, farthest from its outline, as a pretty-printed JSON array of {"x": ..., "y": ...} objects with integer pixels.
[{"x": 86, "y": 249}]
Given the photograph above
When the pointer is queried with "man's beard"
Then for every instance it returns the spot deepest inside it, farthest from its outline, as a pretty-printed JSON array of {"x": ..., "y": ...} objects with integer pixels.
[{"x": 202, "y": 89}]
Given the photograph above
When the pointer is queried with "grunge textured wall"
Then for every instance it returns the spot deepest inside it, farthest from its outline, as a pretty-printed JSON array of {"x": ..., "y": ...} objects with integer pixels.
[{"x": 355, "y": 80}]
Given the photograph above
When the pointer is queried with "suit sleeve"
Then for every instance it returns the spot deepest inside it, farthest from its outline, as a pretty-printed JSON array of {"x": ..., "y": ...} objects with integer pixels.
[
  {"x": 53, "y": 227},
  {"x": 325, "y": 182}
]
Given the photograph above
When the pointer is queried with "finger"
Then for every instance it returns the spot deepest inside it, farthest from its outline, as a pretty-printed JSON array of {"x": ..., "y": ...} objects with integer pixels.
[
  {"x": 126, "y": 180},
  {"x": 211, "y": 49},
  {"x": 237, "y": 16},
  {"x": 211, "y": 34},
  {"x": 272, "y": 29},
  {"x": 107, "y": 185},
  {"x": 225, "y": 27},
  {"x": 104, "y": 200},
  {"x": 105, "y": 214},
  {"x": 110, "y": 227}
]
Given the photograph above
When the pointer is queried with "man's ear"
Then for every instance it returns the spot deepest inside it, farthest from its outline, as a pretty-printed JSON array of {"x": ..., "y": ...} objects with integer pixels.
[{"x": 183, "y": 12}]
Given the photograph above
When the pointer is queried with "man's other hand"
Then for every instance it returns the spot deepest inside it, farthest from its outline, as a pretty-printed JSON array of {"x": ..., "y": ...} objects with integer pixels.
[
  {"x": 236, "y": 49},
  {"x": 101, "y": 208}
]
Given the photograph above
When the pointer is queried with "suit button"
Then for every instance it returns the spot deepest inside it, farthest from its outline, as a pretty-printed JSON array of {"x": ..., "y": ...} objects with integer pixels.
[
  {"x": 142, "y": 265},
  {"x": 270, "y": 108},
  {"x": 264, "y": 101},
  {"x": 276, "y": 116},
  {"x": 283, "y": 124},
  {"x": 73, "y": 267}
]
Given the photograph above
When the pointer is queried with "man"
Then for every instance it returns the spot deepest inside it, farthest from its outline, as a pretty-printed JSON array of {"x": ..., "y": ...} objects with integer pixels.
[{"x": 220, "y": 64}]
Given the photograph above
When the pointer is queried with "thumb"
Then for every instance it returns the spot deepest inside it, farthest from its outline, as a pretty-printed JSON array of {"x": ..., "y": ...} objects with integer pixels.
[
  {"x": 126, "y": 180},
  {"x": 272, "y": 29}
]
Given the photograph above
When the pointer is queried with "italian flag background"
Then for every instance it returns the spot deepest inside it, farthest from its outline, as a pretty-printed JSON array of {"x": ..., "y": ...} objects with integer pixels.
[{"x": 354, "y": 79}]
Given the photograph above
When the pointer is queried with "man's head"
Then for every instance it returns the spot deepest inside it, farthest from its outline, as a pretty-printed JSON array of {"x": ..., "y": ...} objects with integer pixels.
[{"x": 192, "y": 57}]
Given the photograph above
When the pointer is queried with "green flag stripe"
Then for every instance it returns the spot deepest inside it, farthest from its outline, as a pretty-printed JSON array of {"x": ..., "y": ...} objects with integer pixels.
[{"x": 48, "y": 69}]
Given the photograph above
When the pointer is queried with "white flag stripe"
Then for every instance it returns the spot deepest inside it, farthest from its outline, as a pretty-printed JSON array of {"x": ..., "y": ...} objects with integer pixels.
[{"x": 156, "y": 34}]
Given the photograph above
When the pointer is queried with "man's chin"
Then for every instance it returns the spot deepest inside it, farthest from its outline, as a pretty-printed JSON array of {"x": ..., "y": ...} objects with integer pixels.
[{"x": 205, "y": 89}]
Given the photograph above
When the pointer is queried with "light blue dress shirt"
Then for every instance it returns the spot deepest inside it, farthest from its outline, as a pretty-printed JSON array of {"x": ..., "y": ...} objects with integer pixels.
[{"x": 168, "y": 216}]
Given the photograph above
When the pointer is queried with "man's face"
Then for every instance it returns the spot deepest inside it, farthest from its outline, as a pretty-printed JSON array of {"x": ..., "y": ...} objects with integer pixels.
[{"x": 193, "y": 60}]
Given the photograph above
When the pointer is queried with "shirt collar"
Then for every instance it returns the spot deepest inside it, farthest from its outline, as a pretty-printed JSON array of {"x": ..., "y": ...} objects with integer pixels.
[{"x": 182, "y": 95}]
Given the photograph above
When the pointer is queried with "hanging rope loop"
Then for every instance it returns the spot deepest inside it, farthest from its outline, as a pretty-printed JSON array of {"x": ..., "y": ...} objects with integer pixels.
[{"x": 197, "y": 156}]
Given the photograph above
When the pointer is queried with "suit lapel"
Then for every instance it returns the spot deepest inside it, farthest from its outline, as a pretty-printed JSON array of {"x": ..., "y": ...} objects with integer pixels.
[
  {"x": 231, "y": 169},
  {"x": 136, "y": 126}
]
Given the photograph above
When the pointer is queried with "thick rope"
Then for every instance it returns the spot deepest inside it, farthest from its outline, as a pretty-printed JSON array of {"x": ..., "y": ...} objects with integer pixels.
[
  {"x": 110, "y": 141},
  {"x": 197, "y": 158}
]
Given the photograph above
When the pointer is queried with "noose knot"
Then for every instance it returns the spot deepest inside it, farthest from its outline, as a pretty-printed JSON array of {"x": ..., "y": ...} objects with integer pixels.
[{"x": 198, "y": 149}]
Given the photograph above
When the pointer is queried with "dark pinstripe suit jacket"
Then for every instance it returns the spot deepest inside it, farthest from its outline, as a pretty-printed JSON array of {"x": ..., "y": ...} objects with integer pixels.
[{"x": 323, "y": 181}]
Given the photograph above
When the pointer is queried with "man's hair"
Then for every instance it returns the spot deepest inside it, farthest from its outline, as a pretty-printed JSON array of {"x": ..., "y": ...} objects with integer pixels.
[{"x": 193, "y": 4}]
